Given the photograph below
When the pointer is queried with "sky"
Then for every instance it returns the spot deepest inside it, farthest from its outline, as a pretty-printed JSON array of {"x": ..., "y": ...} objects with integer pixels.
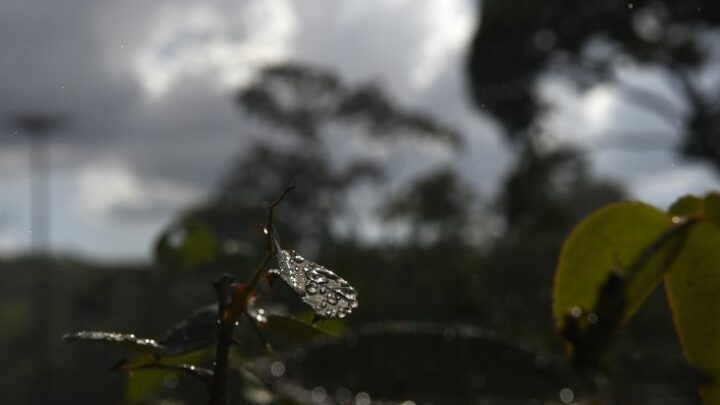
[{"x": 147, "y": 87}]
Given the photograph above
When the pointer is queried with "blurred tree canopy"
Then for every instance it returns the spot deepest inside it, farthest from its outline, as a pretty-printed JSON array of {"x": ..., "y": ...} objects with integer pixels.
[
  {"x": 306, "y": 105},
  {"x": 517, "y": 42}
]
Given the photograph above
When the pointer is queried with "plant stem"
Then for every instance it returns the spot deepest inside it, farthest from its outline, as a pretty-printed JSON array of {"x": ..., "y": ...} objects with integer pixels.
[
  {"x": 226, "y": 328},
  {"x": 218, "y": 385}
]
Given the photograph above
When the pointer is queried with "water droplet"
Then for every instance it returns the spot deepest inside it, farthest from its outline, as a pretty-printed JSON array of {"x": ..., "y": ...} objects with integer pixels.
[
  {"x": 342, "y": 314},
  {"x": 566, "y": 395},
  {"x": 592, "y": 318},
  {"x": 362, "y": 398},
  {"x": 327, "y": 273},
  {"x": 316, "y": 277},
  {"x": 348, "y": 292},
  {"x": 277, "y": 368},
  {"x": 576, "y": 312},
  {"x": 298, "y": 259},
  {"x": 318, "y": 394},
  {"x": 353, "y": 304},
  {"x": 323, "y": 289},
  {"x": 322, "y": 304},
  {"x": 331, "y": 298},
  {"x": 311, "y": 288}
]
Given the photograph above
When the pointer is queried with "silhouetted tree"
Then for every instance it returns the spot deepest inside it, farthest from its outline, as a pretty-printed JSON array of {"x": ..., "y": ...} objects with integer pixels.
[
  {"x": 518, "y": 41},
  {"x": 306, "y": 105}
]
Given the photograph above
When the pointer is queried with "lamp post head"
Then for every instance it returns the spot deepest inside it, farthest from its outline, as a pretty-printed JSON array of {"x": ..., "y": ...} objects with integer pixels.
[{"x": 37, "y": 123}]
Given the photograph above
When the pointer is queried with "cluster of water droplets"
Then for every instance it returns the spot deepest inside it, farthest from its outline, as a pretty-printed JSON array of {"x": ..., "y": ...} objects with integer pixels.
[
  {"x": 328, "y": 294},
  {"x": 112, "y": 337}
]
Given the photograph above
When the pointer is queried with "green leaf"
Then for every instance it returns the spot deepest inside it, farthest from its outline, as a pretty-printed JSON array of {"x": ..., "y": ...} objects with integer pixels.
[
  {"x": 188, "y": 245},
  {"x": 141, "y": 384},
  {"x": 712, "y": 208},
  {"x": 127, "y": 340},
  {"x": 707, "y": 208},
  {"x": 608, "y": 241},
  {"x": 199, "y": 246},
  {"x": 292, "y": 328},
  {"x": 147, "y": 378},
  {"x": 693, "y": 289},
  {"x": 686, "y": 206}
]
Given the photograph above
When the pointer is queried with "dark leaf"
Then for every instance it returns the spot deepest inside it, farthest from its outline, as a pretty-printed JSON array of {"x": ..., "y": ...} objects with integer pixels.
[{"x": 195, "y": 332}]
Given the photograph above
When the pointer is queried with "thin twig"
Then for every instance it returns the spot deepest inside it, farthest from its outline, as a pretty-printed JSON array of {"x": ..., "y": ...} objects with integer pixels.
[{"x": 269, "y": 245}]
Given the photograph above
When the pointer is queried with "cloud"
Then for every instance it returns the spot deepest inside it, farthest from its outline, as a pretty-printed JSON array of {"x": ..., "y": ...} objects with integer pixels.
[
  {"x": 222, "y": 40},
  {"x": 110, "y": 191}
]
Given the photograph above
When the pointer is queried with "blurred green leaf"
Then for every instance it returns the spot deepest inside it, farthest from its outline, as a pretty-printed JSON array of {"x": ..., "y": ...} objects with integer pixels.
[
  {"x": 193, "y": 333},
  {"x": 608, "y": 241},
  {"x": 114, "y": 338},
  {"x": 707, "y": 208},
  {"x": 199, "y": 245},
  {"x": 693, "y": 289},
  {"x": 712, "y": 208},
  {"x": 141, "y": 384},
  {"x": 292, "y": 328},
  {"x": 187, "y": 245},
  {"x": 686, "y": 206},
  {"x": 147, "y": 378}
]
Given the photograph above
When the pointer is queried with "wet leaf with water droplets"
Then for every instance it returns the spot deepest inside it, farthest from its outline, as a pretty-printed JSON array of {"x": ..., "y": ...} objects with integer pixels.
[
  {"x": 328, "y": 294},
  {"x": 114, "y": 338}
]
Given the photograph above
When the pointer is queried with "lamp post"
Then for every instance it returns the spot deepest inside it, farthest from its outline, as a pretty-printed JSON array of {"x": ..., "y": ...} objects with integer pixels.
[{"x": 38, "y": 127}]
